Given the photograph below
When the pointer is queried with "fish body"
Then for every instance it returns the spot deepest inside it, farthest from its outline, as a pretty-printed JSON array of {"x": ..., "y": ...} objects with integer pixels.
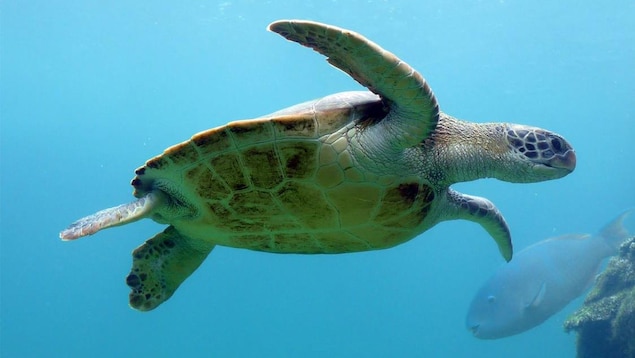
[{"x": 540, "y": 281}]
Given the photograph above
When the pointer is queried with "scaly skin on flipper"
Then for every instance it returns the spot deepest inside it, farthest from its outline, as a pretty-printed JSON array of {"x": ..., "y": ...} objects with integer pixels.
[
  {"x": 410, "y": 100},
  {"x": 160, "y": 265},
  {"x": 485, "y": 213},
  {"x": 118, "y": 215}
]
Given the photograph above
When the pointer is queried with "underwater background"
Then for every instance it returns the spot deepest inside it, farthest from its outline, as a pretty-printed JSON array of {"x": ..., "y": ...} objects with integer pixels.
[{"x": 91, "y": 89}]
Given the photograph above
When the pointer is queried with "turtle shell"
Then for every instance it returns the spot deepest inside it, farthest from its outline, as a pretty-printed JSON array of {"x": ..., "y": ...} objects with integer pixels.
[{"x": 288, "y": 183}]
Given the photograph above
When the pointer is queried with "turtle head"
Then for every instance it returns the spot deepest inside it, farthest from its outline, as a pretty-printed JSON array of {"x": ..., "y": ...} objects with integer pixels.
[{"x": 538, "y": 154}]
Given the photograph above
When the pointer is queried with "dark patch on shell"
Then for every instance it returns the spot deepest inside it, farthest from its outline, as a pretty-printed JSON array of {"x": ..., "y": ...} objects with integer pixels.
[
  {"x": 405, "y": 206},
  {"x": 408, "y": 191},
  {"x": 298, "y": 160},
  {"x": 229, "y": 169},
  {"x": 212, "y": 142},
  {"x": 294, "y": 126},
  {"x": 263, "y": 166},
  {"x": 208, "y": 185},
  {"x": 293, "y": 163},
  {"x": 251, "y": 132}
]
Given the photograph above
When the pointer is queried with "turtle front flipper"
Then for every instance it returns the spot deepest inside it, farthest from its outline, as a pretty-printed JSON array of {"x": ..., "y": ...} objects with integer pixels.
[
  {"x": 483, "y": 212},
  {"x": 160, "y": 265},
  {"x": 414, "y": 111}
]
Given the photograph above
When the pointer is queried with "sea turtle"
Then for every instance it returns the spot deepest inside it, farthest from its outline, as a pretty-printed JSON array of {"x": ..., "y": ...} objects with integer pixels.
[{"x": 353, "y": 171}]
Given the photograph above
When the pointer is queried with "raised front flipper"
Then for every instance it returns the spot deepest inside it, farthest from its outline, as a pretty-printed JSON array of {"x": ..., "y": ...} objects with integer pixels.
[
  {"x": 483, "y": 212},
  {"x": 160, "y": 265},
  {"x": 414, "y": 111}
]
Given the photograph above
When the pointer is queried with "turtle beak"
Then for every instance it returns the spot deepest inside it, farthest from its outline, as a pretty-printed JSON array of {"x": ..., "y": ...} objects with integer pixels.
[
  {"x": 566, "y": 161},
  {"x": 558, "y": 166},
  {"x": 557, "y": 154}
]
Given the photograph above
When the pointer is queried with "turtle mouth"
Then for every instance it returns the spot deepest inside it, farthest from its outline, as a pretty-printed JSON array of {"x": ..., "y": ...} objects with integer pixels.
[
  {"x": 554, "y": 167},
  {"x": 565, "y": 162}
]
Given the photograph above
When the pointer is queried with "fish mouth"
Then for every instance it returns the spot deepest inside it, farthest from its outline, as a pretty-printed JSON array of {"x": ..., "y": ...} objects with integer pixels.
[{"x": 474, "y": 329}]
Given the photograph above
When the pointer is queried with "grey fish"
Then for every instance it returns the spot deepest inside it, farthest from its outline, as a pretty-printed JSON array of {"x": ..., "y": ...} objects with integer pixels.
[{"x": 541, "y": 280}]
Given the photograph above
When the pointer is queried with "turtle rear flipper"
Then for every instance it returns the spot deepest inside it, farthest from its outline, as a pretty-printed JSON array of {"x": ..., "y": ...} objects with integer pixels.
[
  {"x": 160, "y": 265},
  {"x": 118, "y": 215}
]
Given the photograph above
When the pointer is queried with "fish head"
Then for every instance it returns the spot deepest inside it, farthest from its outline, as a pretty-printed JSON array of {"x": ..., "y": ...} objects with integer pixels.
[
  {"x": 490, "y": 316},
  {"x": 501, "y": 308}
]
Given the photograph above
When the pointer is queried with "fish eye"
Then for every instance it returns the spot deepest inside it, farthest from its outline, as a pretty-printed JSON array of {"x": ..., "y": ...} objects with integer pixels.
[{"x": 491, "y": 299}]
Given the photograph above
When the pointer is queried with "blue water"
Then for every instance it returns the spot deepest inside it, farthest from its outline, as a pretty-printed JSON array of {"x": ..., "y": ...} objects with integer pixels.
[{"x": 90, "y": 90}]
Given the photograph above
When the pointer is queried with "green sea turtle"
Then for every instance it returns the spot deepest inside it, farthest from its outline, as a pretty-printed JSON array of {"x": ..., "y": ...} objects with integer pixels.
[{"x": 353, "y": 171}]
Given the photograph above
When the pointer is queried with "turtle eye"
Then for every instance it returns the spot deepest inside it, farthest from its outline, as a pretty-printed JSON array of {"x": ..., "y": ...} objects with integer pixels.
[{"x": 556, "y": 144}]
